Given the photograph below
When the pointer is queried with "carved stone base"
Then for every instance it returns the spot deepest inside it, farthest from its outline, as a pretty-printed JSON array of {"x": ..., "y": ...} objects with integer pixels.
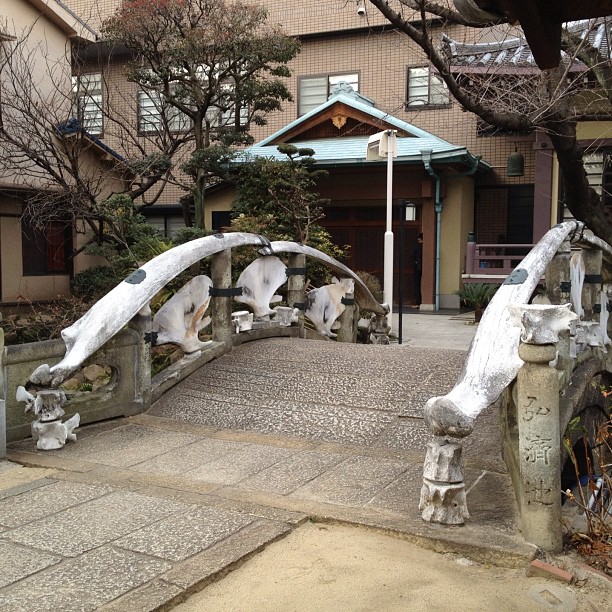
[
  {"x": 51, "y": 435},
  {"x": 379, "y": 339},
  {"x": 443, "y": 492},
  {"x": 443, "y": 503},
  {"x": 378, "y": 329}
]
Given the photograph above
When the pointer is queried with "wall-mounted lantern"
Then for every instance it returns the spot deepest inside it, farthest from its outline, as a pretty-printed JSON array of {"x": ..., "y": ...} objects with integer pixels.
[{"x": 408, "y": 209}]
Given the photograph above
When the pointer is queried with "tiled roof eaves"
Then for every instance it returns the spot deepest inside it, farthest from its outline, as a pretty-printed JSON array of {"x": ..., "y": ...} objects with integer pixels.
[
  {"x": 326, "y": 157},
  {"x": 514, "y": 53},
  {"x": 73, "y": 127}
]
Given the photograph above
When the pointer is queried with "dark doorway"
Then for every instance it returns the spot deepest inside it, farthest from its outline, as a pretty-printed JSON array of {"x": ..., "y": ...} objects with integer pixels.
[{"x": 363, "y": 229}]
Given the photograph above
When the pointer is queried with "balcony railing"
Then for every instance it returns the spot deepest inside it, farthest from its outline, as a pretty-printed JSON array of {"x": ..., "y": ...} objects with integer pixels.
[{"x": 492, "y": 260}]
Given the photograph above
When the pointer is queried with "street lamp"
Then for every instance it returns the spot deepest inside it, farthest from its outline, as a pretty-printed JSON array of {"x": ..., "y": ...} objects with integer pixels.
[{"x": 381, "y": 145}]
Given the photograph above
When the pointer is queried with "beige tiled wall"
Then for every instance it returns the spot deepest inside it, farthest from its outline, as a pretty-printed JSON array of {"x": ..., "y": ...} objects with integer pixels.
[{"x": 334, "y": 40}]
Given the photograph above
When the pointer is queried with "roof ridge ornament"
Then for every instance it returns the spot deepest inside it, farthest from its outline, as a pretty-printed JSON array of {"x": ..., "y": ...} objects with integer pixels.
[{"x": 344, "y": 88}]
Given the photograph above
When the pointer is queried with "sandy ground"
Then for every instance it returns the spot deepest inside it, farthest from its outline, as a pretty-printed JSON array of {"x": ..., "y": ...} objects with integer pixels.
[{"x": 344, "y": 568}]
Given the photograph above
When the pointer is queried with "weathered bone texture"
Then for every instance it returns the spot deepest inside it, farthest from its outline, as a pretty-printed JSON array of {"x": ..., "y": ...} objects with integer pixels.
[
  {"x": 324, "y": 305},
  {"x": 379, "y": 328},
  {"x": 542, "y": 323},
  {"x": 181, "y": 318},
  {"x": 492, "y": 361},
  {"x": 363, "y": 297},
  {"x": 54, "y": 434},
  {"x": 48, "y": 431},
  {"x": 577, "y": 272},
  {"x": 242, "y": 320},
  {"x": 259, "y": 282},
  {"x": 285, "y": 316},
  {"x": 443, "y": 493},
  {"x": 113, "y": 311}
]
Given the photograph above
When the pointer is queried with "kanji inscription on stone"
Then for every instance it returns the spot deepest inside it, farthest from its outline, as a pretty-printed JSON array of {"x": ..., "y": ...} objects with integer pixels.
[
  {"x": 533, "y": 408},
  {"x": 537, "y": 448},
  {"x": 538, "y": 493}
]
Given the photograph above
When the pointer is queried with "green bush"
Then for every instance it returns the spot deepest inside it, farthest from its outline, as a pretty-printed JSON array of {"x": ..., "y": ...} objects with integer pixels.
[
  {"x": 477, "y": 295},
  {"x": 94, "y": 282},
  {"x": 372, "y": 283}
]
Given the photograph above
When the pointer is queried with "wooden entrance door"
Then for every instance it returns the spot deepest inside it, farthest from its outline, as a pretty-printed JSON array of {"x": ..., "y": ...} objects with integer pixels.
[{"x": 363, "y": 229}]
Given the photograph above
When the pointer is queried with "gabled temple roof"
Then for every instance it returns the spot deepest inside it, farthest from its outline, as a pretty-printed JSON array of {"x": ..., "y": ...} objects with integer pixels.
[{"x": 338, "y": 132}]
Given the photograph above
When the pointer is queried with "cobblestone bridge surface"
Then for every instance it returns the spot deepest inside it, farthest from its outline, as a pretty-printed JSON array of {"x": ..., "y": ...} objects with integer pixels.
[{"x": 141, "y": 511}]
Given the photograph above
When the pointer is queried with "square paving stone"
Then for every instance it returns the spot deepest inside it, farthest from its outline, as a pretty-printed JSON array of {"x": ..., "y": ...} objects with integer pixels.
[
  {"x": 94, "y": 523},
  {"x": 17, "y": 562},
  {"x": 244, "y": 462},
  {"x": 179, "y": 461},
  {"x": 26, "y": 486},
  {"x": 46, "y": 501},
  {"x": 83, "y": 584},
  {"x": 183, "y": 535},
  {"x": 353, "y": 482},
  {"x": 127, "y": 445},
  {"x": 287, "y": 475},
  {"x": 403, "y": 494}
]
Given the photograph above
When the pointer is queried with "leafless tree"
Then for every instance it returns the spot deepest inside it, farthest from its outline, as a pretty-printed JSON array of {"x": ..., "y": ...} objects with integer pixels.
[
  {"x": 552, "y": 101},
  {"x": 65, "y": 171}
]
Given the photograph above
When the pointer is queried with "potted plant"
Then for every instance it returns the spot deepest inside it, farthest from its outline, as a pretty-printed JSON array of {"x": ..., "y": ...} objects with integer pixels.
[{"x": 477, "y": 296}]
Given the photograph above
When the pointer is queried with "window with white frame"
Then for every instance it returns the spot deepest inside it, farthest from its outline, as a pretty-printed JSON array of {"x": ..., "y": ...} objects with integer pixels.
[
  {"x": 156, "y": 116},
  {"x": 598, "y": 167},
  {"x": 87, "y": 91},
  {"x": 315, "y": 90},
  {"x": 425, "y": 88}
]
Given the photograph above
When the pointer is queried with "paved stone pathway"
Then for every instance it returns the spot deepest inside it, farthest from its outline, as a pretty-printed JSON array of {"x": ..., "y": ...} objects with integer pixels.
[{"x": 142, "y": 511}]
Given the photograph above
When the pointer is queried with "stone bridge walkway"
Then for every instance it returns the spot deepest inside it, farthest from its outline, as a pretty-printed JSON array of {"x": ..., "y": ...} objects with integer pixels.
[{"x": 142, "y": 511}]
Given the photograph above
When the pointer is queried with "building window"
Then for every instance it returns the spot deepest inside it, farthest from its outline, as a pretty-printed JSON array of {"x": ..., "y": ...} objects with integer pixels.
[
  {"x": 221, "y": 220},
  {"x": 315, "y": 90},
  {"x": 46, "y": 251},
  {"x": 87, "y": 91},
  {"x": 425, "y": 88},
  {"x": 598, "y": 167},
  {"x": 155, "y": 116}
]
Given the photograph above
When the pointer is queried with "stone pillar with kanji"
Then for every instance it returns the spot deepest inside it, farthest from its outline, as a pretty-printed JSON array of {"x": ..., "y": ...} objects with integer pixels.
[{"x": 538, "y": 424}]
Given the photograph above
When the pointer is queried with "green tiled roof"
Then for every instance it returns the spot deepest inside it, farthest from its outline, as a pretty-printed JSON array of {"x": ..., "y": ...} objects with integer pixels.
[{"x": 351, "y": 150}]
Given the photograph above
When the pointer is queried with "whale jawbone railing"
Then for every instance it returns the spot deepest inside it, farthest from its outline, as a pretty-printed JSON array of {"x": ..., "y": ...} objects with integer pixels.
[
  {"x": 514, "y": 338},
  {"x": 128, "y": 303}
]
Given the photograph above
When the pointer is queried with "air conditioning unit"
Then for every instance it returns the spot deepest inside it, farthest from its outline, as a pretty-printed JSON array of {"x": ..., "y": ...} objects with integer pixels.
[{"x": 381, "y": 144}]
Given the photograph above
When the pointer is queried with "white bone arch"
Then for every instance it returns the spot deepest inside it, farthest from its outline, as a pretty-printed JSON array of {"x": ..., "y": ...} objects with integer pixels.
[
  {"x": 114, "y": 310},
  {"x": 492, "y": 362},
  {"x": 362, "y": 294}
]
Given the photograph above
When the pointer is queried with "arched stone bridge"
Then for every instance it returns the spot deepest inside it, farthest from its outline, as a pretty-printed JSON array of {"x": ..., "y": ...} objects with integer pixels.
[{"x": 362, "y": 402}]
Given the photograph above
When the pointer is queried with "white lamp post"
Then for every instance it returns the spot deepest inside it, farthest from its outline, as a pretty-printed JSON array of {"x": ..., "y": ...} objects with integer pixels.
[{"x": 381, "y": 145}]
